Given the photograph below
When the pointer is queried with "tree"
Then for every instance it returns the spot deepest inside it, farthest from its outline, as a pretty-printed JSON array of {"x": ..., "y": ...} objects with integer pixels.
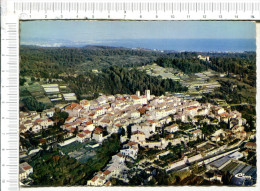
[
  {"x": 177, "y": 179},
  {"x": 44, "y": 146},
  {"x": 76, "y": 131},
  {"x": 34, "y": 141},
  {"x": 22, "y": 81},
  {"x": 60, "y": 138},
  {"x": 56, "y": 158},
  {"x": 60, "y": 117},
  {"x": 194, "y": 167},
  {"x": 122, "y": 131},
  {"x": 129, "y": 131},
  {"x": 33, "y": 105},
  {"x": 169, "y": 146}
]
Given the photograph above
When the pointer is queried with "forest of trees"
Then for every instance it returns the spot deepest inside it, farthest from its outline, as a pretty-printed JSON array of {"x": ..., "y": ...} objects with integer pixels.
[
  {"x": 115, "y": 80},
  {"x": 48, "y": 62},
  {"x": 242, "y": 64},
  {"x": 187, "y": 65},
  {"x": 117, "y": 71}
]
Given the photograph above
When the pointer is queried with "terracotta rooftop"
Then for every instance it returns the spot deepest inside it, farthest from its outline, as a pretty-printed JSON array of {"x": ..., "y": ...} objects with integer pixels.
[
  {"x": 196, "y": 131},
  {"x": 80, "y": 135},
  {"x": 88, "y": 123},
  {"x": 72, "y": 106},
  {"x": 37, "y": 120},
  {"x": 131, "y": 143},
  {"x": 119, "y": 154},
  {"x": 250, "y": 144},
  {"x": 68, "y": 118},
  {"x": 87, "y": 131},
  {"x": 108, "y": 183},
  {"x": 98, "y": 130},
  {"x": 138, "y": 132},
  {"x": 105, "y": 121},
  {"x": 135, "y": 97},
  {"x": 191, "y": 108},
  {"x": 94, "y": 178},
  {"x": 224, "y": 114},
  {"x": 106, "y": 172},
  {"x": 151, "y": 121},
  {"x": 27, "y": 167}
]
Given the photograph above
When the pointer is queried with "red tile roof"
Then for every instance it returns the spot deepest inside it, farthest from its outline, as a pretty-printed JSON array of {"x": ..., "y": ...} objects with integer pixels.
[
  {"x": 68, "y": 118},
  {"x": 94, "y": 178},
  {"x": 88, "y": 123},
  {"x": 191, "y": 108},
  {"x": 138, "y": 132},
  {"x": 119, "y": 154},
  {"x": 135, "y": 97},
  {"x": 27, "y": 167},
  {"x": 87, "y": 131},
  {"x": 38, "y": 120},
  {"x": 131, "y": 143},
  {"x": 80, "y": 135},
  {"x": 108, "y": 183},
  {"x": 250, "y": 144},
  {"x": 196, "y": 131},
  {"x": 72, "y": 106},
  {"x": 98, "y": 130},
  {"x": 106, "y": 172}
]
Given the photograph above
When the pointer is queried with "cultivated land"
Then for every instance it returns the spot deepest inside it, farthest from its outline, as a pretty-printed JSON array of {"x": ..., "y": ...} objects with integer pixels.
[{"x": 176, "y": 119}]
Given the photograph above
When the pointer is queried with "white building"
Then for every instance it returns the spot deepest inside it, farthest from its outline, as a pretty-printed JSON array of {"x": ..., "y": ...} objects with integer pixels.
[
  {"x": 24, "y": 170},
  {"x": 172, "y": 128},
  {"x": 138, "y": 136}
]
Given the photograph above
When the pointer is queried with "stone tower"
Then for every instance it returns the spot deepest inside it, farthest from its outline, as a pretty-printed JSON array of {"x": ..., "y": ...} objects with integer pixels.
[{"x": 147, "y": 94}]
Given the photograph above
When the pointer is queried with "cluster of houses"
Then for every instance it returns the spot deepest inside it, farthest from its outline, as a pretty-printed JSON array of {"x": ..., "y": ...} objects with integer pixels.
[
  {"x": 146, "y": 114},
  {"x": 34, "y": 121},
  {"x": 116, "y": 168}
]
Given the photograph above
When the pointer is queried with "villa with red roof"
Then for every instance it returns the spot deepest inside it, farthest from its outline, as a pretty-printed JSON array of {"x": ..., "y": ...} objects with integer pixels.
[
  {"x": 24, "y": 170},
  {"x": 97, "y": 134},
  {"x": 73, "y": 109}
]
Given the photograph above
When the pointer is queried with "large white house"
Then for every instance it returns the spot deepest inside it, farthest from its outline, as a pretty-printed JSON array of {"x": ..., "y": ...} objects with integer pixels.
[
  {"x": 24, "y": 170},
  {"x": 138, "y": 136},
  {"x": 172, "y": 128}
]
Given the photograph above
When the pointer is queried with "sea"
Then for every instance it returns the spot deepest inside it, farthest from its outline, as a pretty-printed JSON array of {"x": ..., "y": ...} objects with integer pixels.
[
  {"x": 196, "y": 45},
  {"x": 192, "y": 45}
]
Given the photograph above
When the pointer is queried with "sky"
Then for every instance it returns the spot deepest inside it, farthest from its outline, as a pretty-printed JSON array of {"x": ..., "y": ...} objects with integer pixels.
[{"x": 95, "y": 32}]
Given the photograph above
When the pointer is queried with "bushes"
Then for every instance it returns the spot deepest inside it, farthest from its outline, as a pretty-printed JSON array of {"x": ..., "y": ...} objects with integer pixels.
[{"x": 33, "y": 105}]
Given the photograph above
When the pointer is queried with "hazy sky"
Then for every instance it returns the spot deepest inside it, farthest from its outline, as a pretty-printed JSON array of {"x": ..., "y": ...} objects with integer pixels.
[{"x": 88, "y": 31}]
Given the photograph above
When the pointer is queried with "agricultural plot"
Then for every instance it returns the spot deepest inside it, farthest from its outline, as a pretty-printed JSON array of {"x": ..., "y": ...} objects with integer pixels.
[
  {"x": 79, "y": 151},
  {"x": 36, "y": 91}
]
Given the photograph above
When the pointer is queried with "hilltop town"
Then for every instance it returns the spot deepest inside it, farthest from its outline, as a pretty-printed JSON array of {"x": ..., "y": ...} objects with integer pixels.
[{"x": 162, "y": 140}]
